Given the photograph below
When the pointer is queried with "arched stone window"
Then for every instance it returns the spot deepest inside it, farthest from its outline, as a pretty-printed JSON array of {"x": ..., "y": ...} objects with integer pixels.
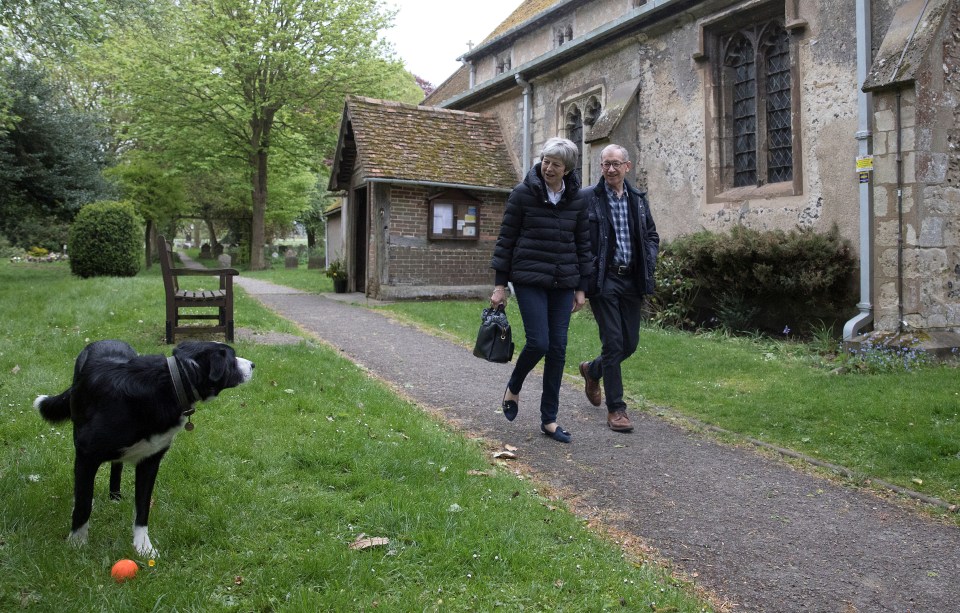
[
  {"x": 592, "y": 111},
  {"x": 757, "y": 118},
  {"x": 563, "y": 33},
  {"x": 503, "y": 62},
  {"x": 578, "y": 114}
]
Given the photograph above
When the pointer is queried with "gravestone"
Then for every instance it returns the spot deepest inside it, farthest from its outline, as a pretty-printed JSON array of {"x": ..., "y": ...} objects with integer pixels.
[
  {"x": 291, "y": 259},
  {"x": 224, "y": 260}
]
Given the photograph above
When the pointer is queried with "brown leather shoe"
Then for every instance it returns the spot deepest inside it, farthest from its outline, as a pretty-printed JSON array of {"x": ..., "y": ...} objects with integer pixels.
[
  {"x": 591, "y": 386},
  {"x": 619, "y": 422}
]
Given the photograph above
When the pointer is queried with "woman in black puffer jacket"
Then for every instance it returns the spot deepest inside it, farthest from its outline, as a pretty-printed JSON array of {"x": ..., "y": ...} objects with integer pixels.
[{"x": 544, "y": 250}]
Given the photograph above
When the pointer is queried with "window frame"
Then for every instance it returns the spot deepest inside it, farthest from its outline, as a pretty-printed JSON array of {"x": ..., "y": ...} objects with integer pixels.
[
  {"x": 562, "y": 33},
  {"x": 719, "y": 125},
  {"x": 589, "y": 107},
  {"x": 503, "y": 62}
]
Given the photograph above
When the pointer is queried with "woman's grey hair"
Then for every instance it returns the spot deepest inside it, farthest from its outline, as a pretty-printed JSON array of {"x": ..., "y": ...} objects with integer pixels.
[{"x": 561, "y": 148}]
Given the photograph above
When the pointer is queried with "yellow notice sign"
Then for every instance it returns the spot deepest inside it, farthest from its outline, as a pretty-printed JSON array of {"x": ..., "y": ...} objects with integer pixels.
[{"x": 865, "y": 163}]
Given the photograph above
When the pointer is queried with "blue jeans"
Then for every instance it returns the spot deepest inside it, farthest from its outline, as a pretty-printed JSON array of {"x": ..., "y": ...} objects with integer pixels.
[{"x": 546, "y": 317}]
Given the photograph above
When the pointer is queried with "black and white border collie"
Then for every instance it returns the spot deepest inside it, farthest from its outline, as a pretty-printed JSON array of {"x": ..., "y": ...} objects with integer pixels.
[{"x": 128, "y": 408}]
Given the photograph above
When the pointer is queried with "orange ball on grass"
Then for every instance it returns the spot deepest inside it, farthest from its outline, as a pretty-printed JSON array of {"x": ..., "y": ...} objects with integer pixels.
[{"x": 123, "y": 570}]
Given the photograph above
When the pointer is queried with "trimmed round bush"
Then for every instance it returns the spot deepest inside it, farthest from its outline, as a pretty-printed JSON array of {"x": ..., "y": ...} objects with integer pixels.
[{"x": 106, "y": 240}]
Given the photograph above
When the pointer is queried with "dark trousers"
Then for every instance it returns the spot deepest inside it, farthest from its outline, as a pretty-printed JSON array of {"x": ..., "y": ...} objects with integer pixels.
[
  {"x": 617, "y": 309},
  {"x": 546, "y": 317}
]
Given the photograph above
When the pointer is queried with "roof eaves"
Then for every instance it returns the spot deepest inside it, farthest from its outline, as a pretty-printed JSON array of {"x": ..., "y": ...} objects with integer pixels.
[
  {"x": 627, "y": 24},
  {"x": 333, "y": 183},
  {"x": 516, "y": 31}
]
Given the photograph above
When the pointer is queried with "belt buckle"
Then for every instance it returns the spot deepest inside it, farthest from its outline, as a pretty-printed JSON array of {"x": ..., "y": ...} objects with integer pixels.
[{"x": 622, "y": 270}]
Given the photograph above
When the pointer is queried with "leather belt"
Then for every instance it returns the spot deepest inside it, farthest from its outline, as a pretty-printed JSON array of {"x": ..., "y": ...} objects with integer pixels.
[{"x": 620, "y": 271}]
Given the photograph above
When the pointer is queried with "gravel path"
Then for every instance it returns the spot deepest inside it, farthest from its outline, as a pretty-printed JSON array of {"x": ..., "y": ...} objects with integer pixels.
[{"x": 757, "y": 533}]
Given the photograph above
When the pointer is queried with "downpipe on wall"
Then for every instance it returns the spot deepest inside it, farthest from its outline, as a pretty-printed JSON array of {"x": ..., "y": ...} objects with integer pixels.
[
  {"x": 899, "y": 130},
  {"x": 525, "y": 85},
  {"x": 855, "y": 325}
]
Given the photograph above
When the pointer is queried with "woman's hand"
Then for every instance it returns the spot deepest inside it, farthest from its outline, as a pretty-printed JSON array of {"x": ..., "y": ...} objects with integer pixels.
[
  {"x": 498, "y": 297},
  {"x": 579, "y": 299}
]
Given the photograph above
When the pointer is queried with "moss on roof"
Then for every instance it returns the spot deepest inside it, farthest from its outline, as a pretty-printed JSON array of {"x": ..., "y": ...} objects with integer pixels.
[
  {"x": 424, "y": 143},
  {"x": 527, "y": 10},
  {"x": 457, "y": 83}
]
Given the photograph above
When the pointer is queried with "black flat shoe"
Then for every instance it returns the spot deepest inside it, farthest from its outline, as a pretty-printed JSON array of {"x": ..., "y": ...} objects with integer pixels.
[
  {"x": 559, "y": 434},
  {"x": 510, "y": 407}
]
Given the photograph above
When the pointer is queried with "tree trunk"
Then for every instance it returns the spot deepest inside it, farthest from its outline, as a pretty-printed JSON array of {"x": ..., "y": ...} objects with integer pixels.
[
  {"x": 260, "y": 151},
  {"x": 148, "y": 244},
  {"x": 257, "y": 224},
  {"x": 213, "y": 233}
]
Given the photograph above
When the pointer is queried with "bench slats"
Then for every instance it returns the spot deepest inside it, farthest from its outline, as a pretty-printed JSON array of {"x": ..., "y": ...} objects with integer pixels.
[{"x": 177, "y": 299}]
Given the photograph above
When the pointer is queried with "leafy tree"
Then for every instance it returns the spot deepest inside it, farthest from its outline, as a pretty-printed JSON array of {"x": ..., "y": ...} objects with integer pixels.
[
  {"x": 246, "y": 78},
  {"x": 312, "y": 218},
  {"x": 50, "y": 159},
  {"x": 220, "y": 199},
  {"x": 156, "y": 193}
]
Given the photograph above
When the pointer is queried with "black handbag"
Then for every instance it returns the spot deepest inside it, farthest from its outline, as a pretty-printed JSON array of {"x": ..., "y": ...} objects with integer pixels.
[{"x": 494, "y": 339}]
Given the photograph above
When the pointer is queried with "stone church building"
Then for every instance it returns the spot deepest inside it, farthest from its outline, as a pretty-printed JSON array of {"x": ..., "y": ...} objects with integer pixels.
[{"x": 770, "y": 114}]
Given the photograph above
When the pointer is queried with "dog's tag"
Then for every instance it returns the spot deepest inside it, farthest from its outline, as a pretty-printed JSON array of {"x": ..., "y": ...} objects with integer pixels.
[{"x": 188, "y": 426}]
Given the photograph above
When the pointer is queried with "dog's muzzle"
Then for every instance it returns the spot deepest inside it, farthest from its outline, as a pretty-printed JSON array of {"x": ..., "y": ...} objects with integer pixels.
[{"x": 246, "y": 368}]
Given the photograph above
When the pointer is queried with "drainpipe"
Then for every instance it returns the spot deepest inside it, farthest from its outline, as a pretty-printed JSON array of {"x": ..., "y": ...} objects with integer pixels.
[
  {"x": 899, "y": 130},
  {"x": 865, "y": 111},
  {"x": 526, "y": 120}
]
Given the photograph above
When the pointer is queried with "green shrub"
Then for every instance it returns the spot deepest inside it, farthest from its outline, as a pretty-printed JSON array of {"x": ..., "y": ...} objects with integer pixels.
[
  {"x": 106, "y": 240},
  {"x": 7, "y": 250},
  {"x": 672, "y": 305},
  {"x": 24, "y": 230},
  {"x": 748, "y": 280}
]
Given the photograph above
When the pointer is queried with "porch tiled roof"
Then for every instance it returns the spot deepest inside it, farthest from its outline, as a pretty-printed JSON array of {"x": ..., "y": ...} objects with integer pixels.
[{"x": 406, "y": 142}]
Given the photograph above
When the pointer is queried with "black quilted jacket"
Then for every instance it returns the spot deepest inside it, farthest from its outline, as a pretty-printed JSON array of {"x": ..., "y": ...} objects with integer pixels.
[{"x": 541, "y": 244}]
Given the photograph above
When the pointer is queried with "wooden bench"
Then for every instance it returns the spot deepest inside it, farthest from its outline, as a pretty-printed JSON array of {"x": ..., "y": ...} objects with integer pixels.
[{"x": 183, "y": 304}]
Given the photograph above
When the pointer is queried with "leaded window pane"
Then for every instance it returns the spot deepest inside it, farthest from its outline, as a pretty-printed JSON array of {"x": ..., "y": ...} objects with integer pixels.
[
  {"x": 741, "y": 61},
  {"x": 779, "y": 126}
]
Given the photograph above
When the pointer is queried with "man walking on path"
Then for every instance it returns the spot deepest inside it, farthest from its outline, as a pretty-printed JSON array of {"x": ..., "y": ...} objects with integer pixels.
[{"x": 625, "y": 244}]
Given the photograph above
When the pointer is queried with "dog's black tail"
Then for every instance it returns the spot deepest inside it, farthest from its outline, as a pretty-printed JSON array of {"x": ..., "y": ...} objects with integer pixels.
[{"x": 54, "y": 408}]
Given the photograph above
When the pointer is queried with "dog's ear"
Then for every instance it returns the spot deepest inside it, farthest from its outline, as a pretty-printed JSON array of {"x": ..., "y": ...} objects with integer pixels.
[{"x": 219, "y": 362}]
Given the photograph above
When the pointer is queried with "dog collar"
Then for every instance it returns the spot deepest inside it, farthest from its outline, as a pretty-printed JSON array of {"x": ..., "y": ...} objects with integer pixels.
[{"x": 185, "y": 404}]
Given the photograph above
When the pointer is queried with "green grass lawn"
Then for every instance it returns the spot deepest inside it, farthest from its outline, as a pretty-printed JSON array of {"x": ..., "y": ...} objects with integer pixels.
[{"x": 255, "y": 509}]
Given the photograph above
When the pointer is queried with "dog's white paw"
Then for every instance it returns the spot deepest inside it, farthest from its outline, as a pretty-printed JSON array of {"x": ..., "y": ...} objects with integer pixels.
[
  {"x": 78, "y": 537},
  {"x": 141, "y": 542},
  {"x": 39, "y": 399}
]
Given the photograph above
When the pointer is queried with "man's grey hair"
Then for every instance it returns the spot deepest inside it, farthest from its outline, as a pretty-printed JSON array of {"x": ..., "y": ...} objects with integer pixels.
[
  {"x": 621, "y": 150},
  {"x": 561, "y": 148}
]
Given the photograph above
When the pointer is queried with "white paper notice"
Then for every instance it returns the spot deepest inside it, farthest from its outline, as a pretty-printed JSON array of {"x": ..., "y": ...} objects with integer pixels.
[{"x": 442, "y": 218}]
